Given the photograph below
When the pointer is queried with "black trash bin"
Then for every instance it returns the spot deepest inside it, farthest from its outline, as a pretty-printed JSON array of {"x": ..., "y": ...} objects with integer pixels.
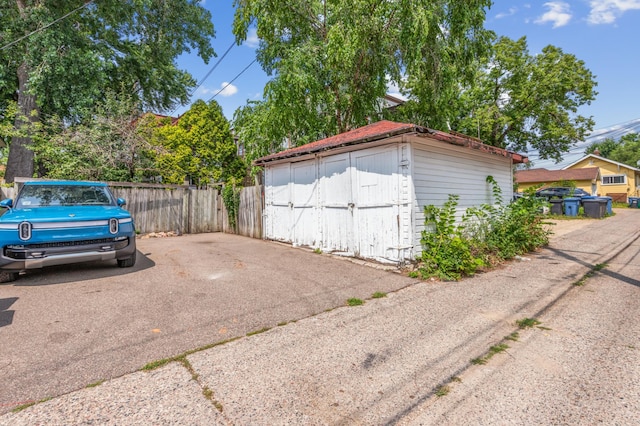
[
  {"x": 556, "y": 206},
  {"x": 595, "y": 208}
]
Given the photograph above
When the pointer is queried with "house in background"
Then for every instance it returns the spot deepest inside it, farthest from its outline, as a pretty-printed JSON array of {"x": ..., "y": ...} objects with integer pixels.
[
  {"x": 363, "y": 192},
  {"x": 586, "y": 178},
  {"x": 618, "y": 181}
]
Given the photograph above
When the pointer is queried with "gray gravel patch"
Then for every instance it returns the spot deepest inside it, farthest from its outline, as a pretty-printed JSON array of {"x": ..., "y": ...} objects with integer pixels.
[{"x": 166, "y": 396}]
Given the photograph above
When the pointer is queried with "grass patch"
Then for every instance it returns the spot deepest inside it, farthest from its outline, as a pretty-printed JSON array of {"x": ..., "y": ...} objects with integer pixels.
[
  {"x": 206, "y": 391},
  {"x": 527, "y": 323},
  {"x": 496, "y": 349},
  {"x": 262, "y": 330},
  {"x": 582, "y": 281},
  {"x": 318, "y": 251},
  {"x": 544, "y": 328},
  {"x": 413, "y": 274},
  {"x": 355, "y": 302},
  {"x": 178, "y": 358},
  {"x": 514, "y": 337},
  {"x": 479, "y": 361},
  {"x": 95, "y": 384},
  {"x": 159, "y": 363},
  {"x": 591, "y": 273},
  {"x": 23, "y": 407},
  {"x": 378, "y": 295},
  {"x": 29, "y": 404},
  {"x": 442, "y": 390}
]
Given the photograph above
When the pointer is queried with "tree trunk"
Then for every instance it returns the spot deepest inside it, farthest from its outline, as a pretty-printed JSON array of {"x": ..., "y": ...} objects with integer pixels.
[{"x": 20, "y": 162}]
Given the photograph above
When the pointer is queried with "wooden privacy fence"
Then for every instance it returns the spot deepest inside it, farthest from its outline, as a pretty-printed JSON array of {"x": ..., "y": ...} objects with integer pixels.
[{"x": 170, "y": 208}]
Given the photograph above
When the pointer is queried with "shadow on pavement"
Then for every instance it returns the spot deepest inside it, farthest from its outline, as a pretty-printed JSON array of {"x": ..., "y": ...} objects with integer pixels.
[{"x": 79, "y": 272}]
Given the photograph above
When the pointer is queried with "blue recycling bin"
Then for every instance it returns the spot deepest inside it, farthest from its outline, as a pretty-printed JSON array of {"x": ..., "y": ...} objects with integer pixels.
[
  {"x": 609, "y": 204},
  {"x": 571, "y": 206},
  {"x": 633, "y": 202}
]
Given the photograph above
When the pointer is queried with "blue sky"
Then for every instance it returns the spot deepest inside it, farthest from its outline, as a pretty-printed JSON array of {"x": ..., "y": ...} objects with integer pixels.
[{"x": 605, "y": 34}]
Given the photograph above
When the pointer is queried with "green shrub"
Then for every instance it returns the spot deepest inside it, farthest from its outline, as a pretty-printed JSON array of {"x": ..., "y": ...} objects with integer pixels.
[
  {"x": 446, "y": 252},
  {"x": 487, "y": 234}
]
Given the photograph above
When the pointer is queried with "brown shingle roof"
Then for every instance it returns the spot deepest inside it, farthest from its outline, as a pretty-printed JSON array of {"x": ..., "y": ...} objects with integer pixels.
[
  {"x": 382, "y": 130},
  {"x": 548, "y": 176}
]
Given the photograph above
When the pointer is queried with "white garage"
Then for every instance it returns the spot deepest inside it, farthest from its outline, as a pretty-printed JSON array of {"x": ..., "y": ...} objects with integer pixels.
[{"x": 362, "y": 193}]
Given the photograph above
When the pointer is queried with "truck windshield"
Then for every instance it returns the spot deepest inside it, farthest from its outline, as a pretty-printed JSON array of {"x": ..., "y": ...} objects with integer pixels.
[{"x": 63, "y": 195}]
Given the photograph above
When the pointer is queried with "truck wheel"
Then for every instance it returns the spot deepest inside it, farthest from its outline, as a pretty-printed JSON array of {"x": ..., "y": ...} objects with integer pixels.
[
  {"x": 128, "y": 262},
  {"x": 6, "y": 277}
]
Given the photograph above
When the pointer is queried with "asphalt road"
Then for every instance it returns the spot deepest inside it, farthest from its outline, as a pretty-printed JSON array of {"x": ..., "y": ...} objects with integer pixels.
[
  {"x": 579, "y": 366},
  {"x": 63, "y": 328},
  {"x": 387, "y": 362}
]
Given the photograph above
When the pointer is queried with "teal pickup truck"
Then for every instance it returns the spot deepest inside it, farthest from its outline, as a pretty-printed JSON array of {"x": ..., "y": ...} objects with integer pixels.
[{"x": 62, "y": 222}]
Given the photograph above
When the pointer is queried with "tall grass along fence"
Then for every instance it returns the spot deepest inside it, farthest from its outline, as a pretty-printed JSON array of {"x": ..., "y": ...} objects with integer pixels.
[{"x": 184, "y": 210}]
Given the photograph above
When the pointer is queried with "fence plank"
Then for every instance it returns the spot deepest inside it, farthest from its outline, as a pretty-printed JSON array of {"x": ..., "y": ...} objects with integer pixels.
[
  {"x": 250, "y": 212},
  {"x": 157, "y": 208}
]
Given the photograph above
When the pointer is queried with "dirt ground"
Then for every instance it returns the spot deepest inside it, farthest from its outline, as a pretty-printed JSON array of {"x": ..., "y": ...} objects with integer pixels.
[{"x": 560, "y": 227}]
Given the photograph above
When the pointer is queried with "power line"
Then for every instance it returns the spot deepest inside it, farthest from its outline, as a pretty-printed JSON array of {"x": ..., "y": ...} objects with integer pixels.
[
  {"x": 46, "y": 26},
  {"x": 213, "y": 68},
  {"x": 207, "y": 75},
  {"x": 234, "y": 79}
]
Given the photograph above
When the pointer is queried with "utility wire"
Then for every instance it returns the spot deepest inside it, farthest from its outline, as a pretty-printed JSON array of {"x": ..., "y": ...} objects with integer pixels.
[
  {"x": 213, "y": 68},
  {"x": 234, "y": 79},
  {"x": 207, "y": 75},
  {"x": 46, "y": 26}
]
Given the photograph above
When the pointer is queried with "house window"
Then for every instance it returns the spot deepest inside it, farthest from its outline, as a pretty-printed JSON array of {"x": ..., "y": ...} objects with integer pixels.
[{"x": 614, "y": 179}]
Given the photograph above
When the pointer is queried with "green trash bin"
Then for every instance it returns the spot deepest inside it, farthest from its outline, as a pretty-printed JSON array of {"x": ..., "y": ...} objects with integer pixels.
[{"x": 571, "y": 206}]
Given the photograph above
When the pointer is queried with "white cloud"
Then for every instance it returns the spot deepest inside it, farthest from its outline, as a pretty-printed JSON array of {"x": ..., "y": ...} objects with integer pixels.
[
  {"x": 512, "y": 11},
  {"x": 227, "y": 89},
  {"x": 252, "y": 40},
  {"x": 607, "y": 11},
  {"x": 559, "y": 14}
]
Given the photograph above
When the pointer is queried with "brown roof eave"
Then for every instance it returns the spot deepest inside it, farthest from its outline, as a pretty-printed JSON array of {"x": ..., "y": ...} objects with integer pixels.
[
  {"x": 476, "y": 144},
  {"x": 283, "y": 156}
]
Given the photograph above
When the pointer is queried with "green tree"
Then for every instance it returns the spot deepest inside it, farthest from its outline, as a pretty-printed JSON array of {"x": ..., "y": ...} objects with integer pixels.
[
  {"x": 521, "y": 101},
  {"x": 59, "y": 56},
  {"x": 604, "y": 147},
  {"x": 200, "y": 147},
  {"x": 331, "y": 61},
  {"x": 627, "y": 150},
  {"x": 114, "y": 143}
]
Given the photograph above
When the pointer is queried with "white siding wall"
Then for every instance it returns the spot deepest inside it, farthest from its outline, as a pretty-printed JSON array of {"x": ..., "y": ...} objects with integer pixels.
[
  {"x": 439, "y": 170},
  {"x": 370, "y": 202}
]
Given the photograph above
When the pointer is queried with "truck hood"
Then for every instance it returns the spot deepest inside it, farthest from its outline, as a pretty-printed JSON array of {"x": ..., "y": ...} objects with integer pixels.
[{"x": 64, "y": 214}]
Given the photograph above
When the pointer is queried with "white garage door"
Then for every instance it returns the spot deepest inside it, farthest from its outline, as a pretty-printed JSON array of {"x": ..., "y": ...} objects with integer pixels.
[
  {"x": 341, "y": 203},
  {"x": 291, "y": 203},
  {"x": 376, "y": 203},
  {"x": 336, "y": 204}
]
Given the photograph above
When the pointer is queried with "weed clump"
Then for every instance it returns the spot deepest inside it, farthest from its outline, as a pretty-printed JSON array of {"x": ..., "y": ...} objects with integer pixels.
[{"x": 485, "y": 236}]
